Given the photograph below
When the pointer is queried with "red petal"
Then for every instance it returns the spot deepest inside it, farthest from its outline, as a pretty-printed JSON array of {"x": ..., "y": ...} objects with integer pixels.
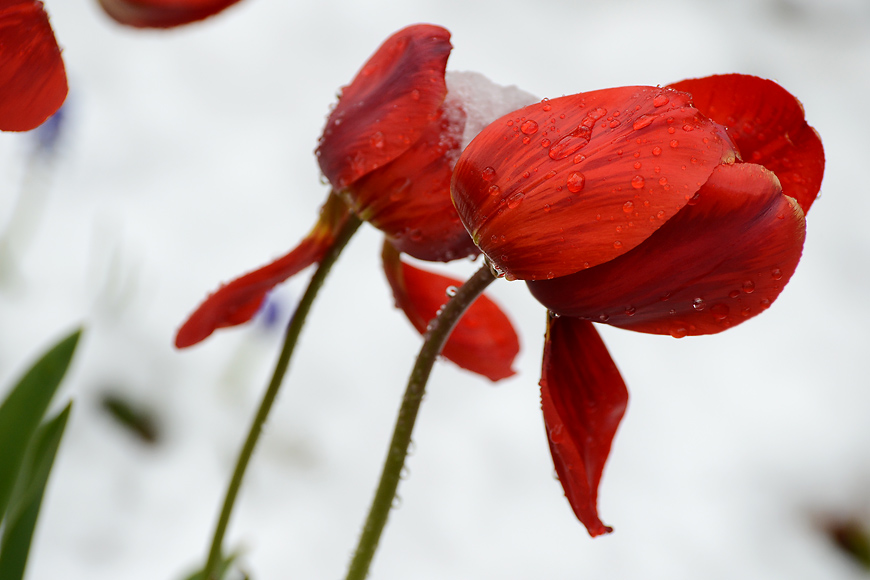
[
  {"x": 162, "y": 13},
  {"x": 236, "y": 302},
  {"x": 483, "y": 342},
  {"x": 717, "y": 263},
  {"x": 768, "y": 125},
  {"x": 584, "y": 398},
  {"x": 409, "y": 198},
  {"x": 577, "y": 181},
  {"x": 393, "y": 98},
  {"x": 32, "y": 76}
]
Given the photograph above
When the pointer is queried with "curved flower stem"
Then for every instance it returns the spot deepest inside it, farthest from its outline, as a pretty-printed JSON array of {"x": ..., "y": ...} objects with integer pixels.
[
  {"x": 291, "y": 335},
  {"x": 438, "y": 333}
]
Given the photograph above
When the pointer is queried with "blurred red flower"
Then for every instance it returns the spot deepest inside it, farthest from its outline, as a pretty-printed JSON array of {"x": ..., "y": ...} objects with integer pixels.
[
  {"x": 387, "y": 150},
  {"x": 32, "y": 76},
  {"x": 162, "y": 13},
  {"x": 676, "y": 210}
]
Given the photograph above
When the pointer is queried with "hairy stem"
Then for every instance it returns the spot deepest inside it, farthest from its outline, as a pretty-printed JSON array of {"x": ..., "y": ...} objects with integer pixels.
[
  {"x": 435, "y": 338},
  {"x": 294, "y": 328}
]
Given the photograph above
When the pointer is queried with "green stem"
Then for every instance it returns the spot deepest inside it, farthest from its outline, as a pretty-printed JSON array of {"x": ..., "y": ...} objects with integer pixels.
[
  {"x": 437, "y": 335},
  {"x": 290, "y": 338}
]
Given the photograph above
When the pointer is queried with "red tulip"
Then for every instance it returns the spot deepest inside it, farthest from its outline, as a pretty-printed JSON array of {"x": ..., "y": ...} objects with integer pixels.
[
  {"x": 676, "y": 210},
  {"x": 388, "y": 150},
  {"x": 162, "y": 13},
  {"x": 32, "y": 76}
]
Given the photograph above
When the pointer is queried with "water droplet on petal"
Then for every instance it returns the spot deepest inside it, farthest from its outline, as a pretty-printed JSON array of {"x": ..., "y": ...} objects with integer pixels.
[
  {"x": 637, "y": 182},
  {"x": 576, "y": 181},
  {"x": 487, "y": 174},
  {"x": 516, "y": 199},
  {"x": 643, "y": 121},
  {"x": 630, "y": 311},
  {"x": 657, "y": 151},
  {"x": 749, "y": 286},
  {"x": 628, "y": 207},
  {"x": 570, "y": 143},
  {"x": 720, "y": 312},
  {"x": 377, "y": 140},
  {"x": 698, "y": 304},
  {"x": 529, "y": 127},
  {"x": 776, "y": 274},
  {"x": 674, "y": 143},
  {"x": 660, "y": 100},
  {"x": 617, "y": 244},
  {"x": 678, "y": 331},
  {"x": 451, "y": 291},
  {"x": 494, "y": 190}
]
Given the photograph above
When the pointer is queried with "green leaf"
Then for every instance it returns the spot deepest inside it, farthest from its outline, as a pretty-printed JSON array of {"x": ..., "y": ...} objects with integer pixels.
[
  {"x": 24, "y": 407},
  {"x": 27, "y": 496}
]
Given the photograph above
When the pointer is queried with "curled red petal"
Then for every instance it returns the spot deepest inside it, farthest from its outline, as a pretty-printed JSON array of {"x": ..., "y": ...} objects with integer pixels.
[
  {"x": 162, "y": 13},
  {"x": 484, "y": 341},
  {"x": 768, "y": 125},
  {"x": 393, "y": 98},
  {"x": 32, "y": 76},
  {"x": 409, "y": 198},
  {"x": 236, "y": 302},
  {"x": 719, "y": 262},
  {"x": 576, "y": 181},
  {"x": 584, "y": 398}
]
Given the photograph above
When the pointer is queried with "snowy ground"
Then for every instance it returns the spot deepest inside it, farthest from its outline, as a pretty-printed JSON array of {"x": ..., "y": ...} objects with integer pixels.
[{"x": 187, "y": 159}]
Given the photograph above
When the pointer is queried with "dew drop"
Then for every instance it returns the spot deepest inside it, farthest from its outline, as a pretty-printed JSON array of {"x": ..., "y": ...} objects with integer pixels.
[
  {"x": 451, "y": 291},
  {"x": 570, "y": 143},
  {"x": 628, "y": 207},
  {"x": 657, "y": 151},
  {"x": 637, "y": 182},
  {"x": 617, "y": 244},
  {"x": 515, "y": 200},
  {"x": 377, "y": 140},
  {"x": 734, "y": 294},
  {"x": 674, "y": 143},
  {"x": 529, "y": 127},
  {"x": 776, "y": 274},
  {"x": 660, "y": 100},
  {"x": 699, "y": 304},
  {"x": 494, "y": 190},
  {"x": 719, "y": 312},
  {"x": 415, "y": 95},
  {"x": 545, "y": 142},
  {"x": 642, "y": 121},
  {"x": 550, "y": 275},
  {"x": 630, "y": 311},
  {"x": 678, "y": 331},
  {"x": 576, "y": 181},
  {"x": 749, "y": 286},
  {"x": 638, "y": 165},
  {"x": 487, "y": 174}
]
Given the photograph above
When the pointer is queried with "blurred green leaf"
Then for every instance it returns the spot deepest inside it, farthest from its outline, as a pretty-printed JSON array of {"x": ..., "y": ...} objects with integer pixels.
[
  {"x": 133, "y": 417},
  {"x": 24, "y": 407},
  {"x": 27, "y": 496}
]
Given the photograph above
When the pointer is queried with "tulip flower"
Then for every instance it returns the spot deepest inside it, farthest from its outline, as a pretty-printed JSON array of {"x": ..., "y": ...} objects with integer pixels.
[
  {"x": 32, "y": 76},
  {"x": 162, "y": 13},
  {"x": 676, "y": 210},
  {"x": 388, "y": 151}
]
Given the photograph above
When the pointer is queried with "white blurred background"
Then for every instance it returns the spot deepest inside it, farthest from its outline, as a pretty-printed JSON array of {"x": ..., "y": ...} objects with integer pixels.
[{"x": 186, "y": 158}]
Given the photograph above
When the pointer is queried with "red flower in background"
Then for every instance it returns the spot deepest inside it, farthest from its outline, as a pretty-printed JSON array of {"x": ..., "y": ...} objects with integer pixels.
[
  {"x": 676, "y": 210},
  {"x": 387, "y": 150},
  {"x": 32, "y": 76},
  {"x": 162, "y": 13}
]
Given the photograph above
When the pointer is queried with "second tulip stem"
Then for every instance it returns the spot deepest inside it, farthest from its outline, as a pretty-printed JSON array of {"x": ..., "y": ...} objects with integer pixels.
[{"x": 435, "y": 338}]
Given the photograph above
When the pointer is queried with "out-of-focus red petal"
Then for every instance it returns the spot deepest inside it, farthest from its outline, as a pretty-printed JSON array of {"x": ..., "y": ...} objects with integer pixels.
[
  {"x": 390, "y": 102},
  {"x": 584, "y": 398},
  {"x": 409, "y": 198},
  {"x": 577, "y": 181},
  {"x": 767, "y": 123},
  {"x": 162, "y": 13},
  {"x": 484, "y": 340},
  {"x": 236, "y": 302},
  {"x": 32, "y": 76},
  {"x": 719, "y": 262}
]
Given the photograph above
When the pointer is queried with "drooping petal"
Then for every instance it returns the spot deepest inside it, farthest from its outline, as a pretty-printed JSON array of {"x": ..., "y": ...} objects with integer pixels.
[
  {"x": 718, "y": 262},
  {"x": 236, "y": 302},
  {"x": 484, "y": 340},
  {"x": 584, "y": 398},
  {"x": 162, "y": 13},
  {"x": 580, "y": 180},
  {"x": 409, "y": 198},
  {"x": 32, "y": 76},
  {"x": 767, "y": 123},
  {"x": 384, "y": 110}
]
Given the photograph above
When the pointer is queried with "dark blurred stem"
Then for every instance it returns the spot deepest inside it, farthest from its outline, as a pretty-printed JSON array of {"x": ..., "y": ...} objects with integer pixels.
[
  {"x": 290, "y": 337},
  {"x": 438, "y": 333}
]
